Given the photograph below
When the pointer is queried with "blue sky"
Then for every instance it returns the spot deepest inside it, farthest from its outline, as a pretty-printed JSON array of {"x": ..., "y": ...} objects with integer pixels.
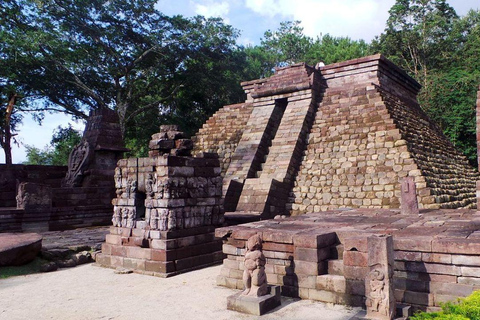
[{"x": 357, "y": 19}]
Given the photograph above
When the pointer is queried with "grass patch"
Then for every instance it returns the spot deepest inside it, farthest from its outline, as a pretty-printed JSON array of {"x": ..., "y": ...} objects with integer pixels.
[
  {"x": 29, "y": 268},
  {"x": 465, "y": 309}
]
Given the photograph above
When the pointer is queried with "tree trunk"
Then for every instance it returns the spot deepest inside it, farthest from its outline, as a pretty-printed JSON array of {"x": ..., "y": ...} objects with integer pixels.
[{"x": 7, "y": 143}]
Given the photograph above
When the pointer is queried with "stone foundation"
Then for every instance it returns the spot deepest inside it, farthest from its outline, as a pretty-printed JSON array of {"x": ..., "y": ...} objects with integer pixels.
[
  {"x": 166, "y": 209},
  {"x": 324, "y": 256}
]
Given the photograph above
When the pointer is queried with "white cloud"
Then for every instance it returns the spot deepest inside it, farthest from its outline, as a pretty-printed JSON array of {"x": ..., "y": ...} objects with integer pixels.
[
  {"x": 209, "y": 8},
  {"x": 358, "y": 19},
  {"x": 39, "y": 136}
]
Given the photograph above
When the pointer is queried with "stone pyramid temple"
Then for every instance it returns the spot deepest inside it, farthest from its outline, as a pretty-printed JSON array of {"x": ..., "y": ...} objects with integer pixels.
[{"x": 342, "y": 135}]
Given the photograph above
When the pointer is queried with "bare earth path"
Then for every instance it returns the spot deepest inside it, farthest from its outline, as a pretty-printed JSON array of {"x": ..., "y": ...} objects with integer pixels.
[{"x": 90, "y": 292}]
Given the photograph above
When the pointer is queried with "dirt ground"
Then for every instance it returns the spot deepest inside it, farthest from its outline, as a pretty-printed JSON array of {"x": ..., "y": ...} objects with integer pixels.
[{"x": 91, "y": 292}]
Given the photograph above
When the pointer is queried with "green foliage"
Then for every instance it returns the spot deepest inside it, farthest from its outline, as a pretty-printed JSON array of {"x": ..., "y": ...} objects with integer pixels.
[
  {"x": 74, "y": 56},
  {"x": 62, "y": 143},
  {"x": 331, "y": 49},
  {"x": 466, "y": 309},
  {"x": 29, "y": 268},
  {"x": 288, "y": 45},
  {"x": 440, "y": 50}
]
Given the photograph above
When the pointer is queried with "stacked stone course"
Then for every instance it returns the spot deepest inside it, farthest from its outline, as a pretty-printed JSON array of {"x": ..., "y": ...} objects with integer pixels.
[
  {"x": 325, "y": 256},
  {"x": 166, "y": 209},
  {"x": 222, "y": 132}
]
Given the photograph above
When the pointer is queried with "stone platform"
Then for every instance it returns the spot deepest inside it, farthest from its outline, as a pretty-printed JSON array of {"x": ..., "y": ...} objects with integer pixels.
[
  {"x": 323, "y": 256},
  {"x": 19, "y": 248}
]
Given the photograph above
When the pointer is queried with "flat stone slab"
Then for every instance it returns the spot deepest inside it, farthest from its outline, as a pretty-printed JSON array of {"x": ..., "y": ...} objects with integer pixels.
[
  {"x": 255, "y": 305},
  {"x": 443, "y": 231},
  {"x": 19, "y": 248}
]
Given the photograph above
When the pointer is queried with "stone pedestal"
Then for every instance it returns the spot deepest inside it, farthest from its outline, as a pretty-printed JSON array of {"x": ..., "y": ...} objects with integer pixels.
[
  {"x": 409, "y": 202},
  {"x": 255, "y": 305},
  {"x": 166, "y": 209},
  {"x": 379, "y": 289}
]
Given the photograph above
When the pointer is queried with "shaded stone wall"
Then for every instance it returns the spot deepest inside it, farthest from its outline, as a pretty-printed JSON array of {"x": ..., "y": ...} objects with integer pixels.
[{"x": 79, "y": 195}]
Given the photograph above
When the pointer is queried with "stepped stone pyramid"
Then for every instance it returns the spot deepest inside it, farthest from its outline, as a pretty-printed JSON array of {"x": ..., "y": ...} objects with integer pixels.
[{"x": 341, "y": 135}]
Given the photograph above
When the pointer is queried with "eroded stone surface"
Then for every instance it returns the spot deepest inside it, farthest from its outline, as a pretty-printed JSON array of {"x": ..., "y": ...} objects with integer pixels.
[{"x": 19, "y": 248}]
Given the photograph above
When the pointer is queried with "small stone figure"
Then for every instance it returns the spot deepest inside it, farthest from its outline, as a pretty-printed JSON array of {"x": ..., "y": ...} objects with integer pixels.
[
  {"x": 154, "y": 219},
  {"x": 117, "y": 218},
  {"x": 254, "y": 277},
  {"x": 163, "y": 220},
  {"x": 149, "y": 185},
  {"x": 124, "y": 217},
  {"x": 376, "y": 300},
  {"x": 172, "y": 220},
  {"x": 118, "y": 178},
  {"x": 131, "y": 217}
]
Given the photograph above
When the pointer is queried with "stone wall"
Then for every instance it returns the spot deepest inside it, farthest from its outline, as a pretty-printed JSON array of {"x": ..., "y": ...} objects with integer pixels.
[
  {"x": 324, "y": 256},
  {"x": 78, "y": 195},
  {"x": 222, "y": 132},
  {"x": 166, "y": 209}
]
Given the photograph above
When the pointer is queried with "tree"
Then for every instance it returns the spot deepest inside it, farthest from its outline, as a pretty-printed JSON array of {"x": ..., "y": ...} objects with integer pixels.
[
  {"x": 416, "y": 37},
  {"x": 440, "y": 50},
  {"x": 329, "y": 49},
  {"x": 288, "y": 44},
  {"x": 58, "y": 151},
  {"x": 74, "y": 56}
]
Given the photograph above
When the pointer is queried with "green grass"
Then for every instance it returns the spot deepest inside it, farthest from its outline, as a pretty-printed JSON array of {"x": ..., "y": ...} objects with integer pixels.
[
  {"x": 29, "y": 268},
  {"x": 465, "y": 309}
]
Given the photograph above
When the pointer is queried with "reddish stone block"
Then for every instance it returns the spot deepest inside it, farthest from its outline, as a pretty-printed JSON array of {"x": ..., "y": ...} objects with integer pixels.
[
  {"x": 116, "y": 261},
  {"x": 313, "y": 255},
  {"x": 120, "y": 251},
  {"x": 356, "y": 273},
  {"x": 106, "y": 248},
  {"x": 356, "y": 243},
  {"x": 407, "y": 255},
  {"x": 241, "y": 243},
  {"x": 160, "y": 266},
  {"x": 437, "y": 258},
  {"x": 456, "y": 246},
  {"x": 284, "y": 236},
  {"x": 314, "y": 240},
  {"x": 134, "y": 264},
  {"x": 355, "y": 258},
  {"x": 113, "y": 239},
  {"x": 414, "y": 243},
  {"x": 163, "y": 255},
  {"x": 139, "y": 253},
  {"x": 274, "y": 246},
  {"x": 310, "y": 268},
  {"x": 103, "y": 260},
  {"x": 456, "y": 289}
]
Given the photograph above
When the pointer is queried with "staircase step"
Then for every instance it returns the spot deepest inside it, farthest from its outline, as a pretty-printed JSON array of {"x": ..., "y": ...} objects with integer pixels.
[
  {"x": 335, "y": 267},
  {"x": 332, "y": 283},
  {"x": 337, "y": 252}
]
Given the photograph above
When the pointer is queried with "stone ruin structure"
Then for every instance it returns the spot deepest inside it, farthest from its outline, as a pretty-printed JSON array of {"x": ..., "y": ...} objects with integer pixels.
[
  {"x": 44, "y": 198},
  {"x": 166, "y": 209},
  {"x": 342, "y": 135},
  {"x": 381, "y": 204}
]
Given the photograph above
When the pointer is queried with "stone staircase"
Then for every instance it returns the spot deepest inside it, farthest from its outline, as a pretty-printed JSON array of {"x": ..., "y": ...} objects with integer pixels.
[{"x": 333, "y": 287}]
